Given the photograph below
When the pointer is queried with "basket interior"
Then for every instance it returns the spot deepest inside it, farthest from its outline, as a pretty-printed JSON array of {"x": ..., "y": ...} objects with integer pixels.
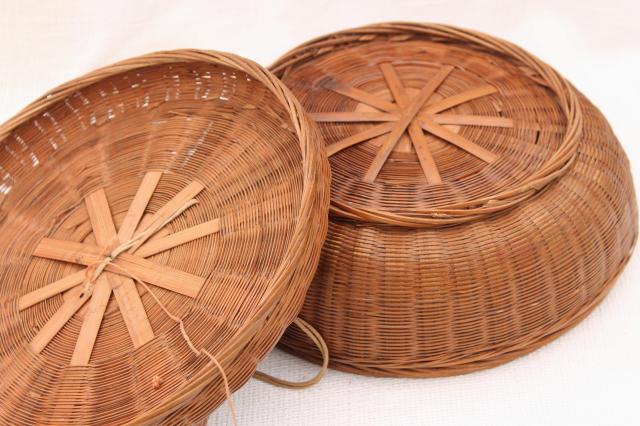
[{"x": 194, "y": 122}]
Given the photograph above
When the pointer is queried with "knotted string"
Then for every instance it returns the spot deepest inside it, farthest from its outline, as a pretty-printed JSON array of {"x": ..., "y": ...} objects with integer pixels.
[
  {"x": 187, "y": 339},
  {"x": 110, "y": 254}
]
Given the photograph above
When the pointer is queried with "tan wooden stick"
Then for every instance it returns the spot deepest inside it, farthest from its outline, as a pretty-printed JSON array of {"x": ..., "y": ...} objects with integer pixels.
[
  {"x": 151, "y": 248},
  {"x": 460, "y": 98},
  {"x": 458, "y": 140},
  {"x": 166, "y": 211},
  {"x": 178, "y": 238},
  {"x": 138, "y": 205},
  {"x": 353, "y": 117},
  {"x": 52, "y": 289},
  {"x": 362, "y": 96},
  {"x": 470, "y": 120},
  {"x": 105, "y": 232},
  {"x": 78, "y": 297},
  {"x": 359, "y": 137},
  {"x": 151, "y": 272},
  {"x": 403, "y": 123},
  {"x": 428, "y": 164}
]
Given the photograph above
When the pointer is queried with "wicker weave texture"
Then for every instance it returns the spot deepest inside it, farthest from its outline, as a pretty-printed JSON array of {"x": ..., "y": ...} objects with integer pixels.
[
  {"x": 218, "y": 131},
  {"x": 520, "y": 233}
]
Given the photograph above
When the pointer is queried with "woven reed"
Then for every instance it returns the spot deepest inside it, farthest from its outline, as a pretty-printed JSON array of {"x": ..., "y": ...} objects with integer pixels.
[
  {"x": 492, "y": 257},
  {"x": 206, "y": 120}
]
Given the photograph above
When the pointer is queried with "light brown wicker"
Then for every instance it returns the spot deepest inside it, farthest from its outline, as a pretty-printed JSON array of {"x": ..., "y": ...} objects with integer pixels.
[
  {"x": 480, "y": 205},
  {"x": 193, "y": 173}
]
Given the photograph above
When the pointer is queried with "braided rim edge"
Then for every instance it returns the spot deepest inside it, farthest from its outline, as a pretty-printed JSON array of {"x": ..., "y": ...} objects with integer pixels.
[
  {"x": 479, "y": 208},
  {"x": 315, "y": 170}
]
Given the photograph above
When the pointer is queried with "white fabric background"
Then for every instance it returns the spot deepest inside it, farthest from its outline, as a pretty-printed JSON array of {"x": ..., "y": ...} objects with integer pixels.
[{"x": 589, "y": 376}]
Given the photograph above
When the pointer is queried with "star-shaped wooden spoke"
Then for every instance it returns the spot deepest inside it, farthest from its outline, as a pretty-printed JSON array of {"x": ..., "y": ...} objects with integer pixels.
[
  {"x": 133, "y": 239},
  {"x": 412, "y": 116}
]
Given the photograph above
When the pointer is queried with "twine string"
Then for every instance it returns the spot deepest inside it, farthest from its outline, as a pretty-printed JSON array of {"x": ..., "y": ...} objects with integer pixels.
[
  {"x": 187, "y": 339},
  {"x": 111, "y": 254}
]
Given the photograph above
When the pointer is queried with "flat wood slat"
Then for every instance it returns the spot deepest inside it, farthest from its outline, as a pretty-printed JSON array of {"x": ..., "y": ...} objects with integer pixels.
[
  {"x": 362, "y": 96},
  {"x": 359, "y": 137},
  {"x": 166, "y": 211},
  {"x": 353, "y": 117},
  {"x": 178, "y": 238},
  {"x": 458, "y": 140},
  {"x": 403, "y": 123},
  {"x": 470, "y": 120},
  {"x": 460, "y": 98},
  {"x": 52, "y": 289},
  {"x": 105, "y": 234},
  {"x": 78, "y": 297},
  {"x": 427, "y": 163},
  {"x": 92, "y": 321},
  {"x": 150, "y": 272},
  {"x": 138, "y": 205}
]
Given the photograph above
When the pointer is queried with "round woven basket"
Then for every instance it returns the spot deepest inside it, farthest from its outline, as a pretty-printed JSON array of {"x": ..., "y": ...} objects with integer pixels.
[
  {"x": 161, "y": 219},
  {"x": 480, "y": 205}
]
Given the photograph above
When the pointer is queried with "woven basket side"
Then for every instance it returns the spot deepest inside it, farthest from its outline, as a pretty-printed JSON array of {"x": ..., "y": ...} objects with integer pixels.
[{"x": 444, "y": 306}]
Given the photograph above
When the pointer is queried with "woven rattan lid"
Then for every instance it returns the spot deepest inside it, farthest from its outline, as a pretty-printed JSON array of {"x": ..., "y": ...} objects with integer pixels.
[
  {"x": 425, "y": 130},
  {"x": 161, "y": 221},
  {"x": 480, "y": 205}
]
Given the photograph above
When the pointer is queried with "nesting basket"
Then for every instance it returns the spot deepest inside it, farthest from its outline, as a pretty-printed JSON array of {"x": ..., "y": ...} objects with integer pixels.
[
  {"x": 480, "y": 205},
  {"x": 161, "y": 220}
]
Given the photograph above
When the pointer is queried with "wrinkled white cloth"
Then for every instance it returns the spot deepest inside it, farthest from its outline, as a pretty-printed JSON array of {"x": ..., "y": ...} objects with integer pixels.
[{"x": 587, "y": 377}]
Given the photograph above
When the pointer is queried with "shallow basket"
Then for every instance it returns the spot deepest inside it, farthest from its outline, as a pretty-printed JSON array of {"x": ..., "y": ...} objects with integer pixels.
[
  {"x": 206, "y": 165},
  {"x": 480, "y": 205}
]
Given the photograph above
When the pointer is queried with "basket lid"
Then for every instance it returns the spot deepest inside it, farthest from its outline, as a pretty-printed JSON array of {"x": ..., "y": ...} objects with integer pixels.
[
  {"x": 160, "y": 219},
  {"x": 432, "y": 125}
]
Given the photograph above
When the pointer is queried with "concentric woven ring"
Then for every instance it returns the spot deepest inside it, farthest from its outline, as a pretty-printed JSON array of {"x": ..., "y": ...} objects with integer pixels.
[
  {"x": 478, "y": 208},
  {"x": 303, "y": 246}
]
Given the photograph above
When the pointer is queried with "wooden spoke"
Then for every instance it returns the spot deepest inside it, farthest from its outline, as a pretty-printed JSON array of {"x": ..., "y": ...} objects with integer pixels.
[
  {"x": 361, "y": 96},
  {"x": 403, "y": 123},
  {"x": 150, "y": 272},
  {"x": 178, "y": 238},
  {"x": 359, "y": 137},
  {"x": 168, "y": 210},
  {"x": 105, "y": 233},
  {"x": 100, "y": 217},
  {"x": 77, "y": 298},
  {"x": 460, "y": 98},
  {"x": 149, "y": 249},
  {"x": 92, "y": 321},
  {"x": 458, "y": 140},
  {"x": 428, "y": 164},
  {"x": 470, "y": 120},
  {"x": 52, "y": 289},
  {"x": 119, "y": 269},
  {"x": 353, "y": 117},
  {"x": 395, "y": 85},
  {"x": 411, "y": 116},
  {"x": 138, "y": 205},
  {"x": 124, "y": 288}
]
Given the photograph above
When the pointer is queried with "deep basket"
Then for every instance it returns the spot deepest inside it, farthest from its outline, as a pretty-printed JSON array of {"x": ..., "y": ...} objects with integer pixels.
[
  {"x": 161, "y": 219},
  {"x": 480, "y": 205}
]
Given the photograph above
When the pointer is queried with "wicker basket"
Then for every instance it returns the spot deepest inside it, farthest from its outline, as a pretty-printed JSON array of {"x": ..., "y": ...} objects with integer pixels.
[
  {"x": 161, "y": 221},
  {"x": 480, "y": 205}
]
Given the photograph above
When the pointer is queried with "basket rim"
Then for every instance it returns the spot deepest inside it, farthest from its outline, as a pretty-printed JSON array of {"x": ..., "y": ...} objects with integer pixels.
[
  {"x": 479, "y": 208},
  {"x": 314, "y": 165}
]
